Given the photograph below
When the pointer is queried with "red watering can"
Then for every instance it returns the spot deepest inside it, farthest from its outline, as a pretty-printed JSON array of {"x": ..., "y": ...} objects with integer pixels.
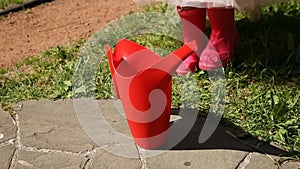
[{"x": 143, "y": 82}]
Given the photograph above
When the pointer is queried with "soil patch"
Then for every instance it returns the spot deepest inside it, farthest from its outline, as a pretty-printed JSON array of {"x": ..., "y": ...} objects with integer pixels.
[{"x": 28, "y": 32}]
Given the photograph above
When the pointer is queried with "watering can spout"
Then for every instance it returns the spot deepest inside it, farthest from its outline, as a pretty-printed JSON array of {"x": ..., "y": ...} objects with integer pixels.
[{"x": 171, "y": 62}]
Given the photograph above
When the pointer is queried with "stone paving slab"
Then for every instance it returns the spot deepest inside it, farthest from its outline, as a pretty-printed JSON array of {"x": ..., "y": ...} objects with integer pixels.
[
  {"x": 102, "y": 122},
  {"x": 53, "y": 125},
  {"x": 261, "y": 161},
  {"x": 51, "y": 137},
  {"x": 8, "y": 129},
  {"x": 113, "y": 117},
  {"x": 290, "y": 165},
  {"x": 51, "y": 160},
  {"x": 104, "y": 159},
  {"x": 6, "y": 156},
  {"x": 197, "y": 159}
]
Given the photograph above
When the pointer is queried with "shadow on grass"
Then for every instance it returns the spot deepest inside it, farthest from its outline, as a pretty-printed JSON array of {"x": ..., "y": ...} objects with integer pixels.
[{"x": 273, "y": 43}]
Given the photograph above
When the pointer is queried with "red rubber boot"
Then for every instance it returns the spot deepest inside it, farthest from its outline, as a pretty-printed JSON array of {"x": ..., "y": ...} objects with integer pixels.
[
  {"x": 223, "y": 39},
  {"x": 193, "y": 25}
]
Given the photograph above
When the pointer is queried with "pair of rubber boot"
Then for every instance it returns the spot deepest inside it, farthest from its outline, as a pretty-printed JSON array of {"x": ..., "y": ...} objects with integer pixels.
[{"x": 223, "y": 39}]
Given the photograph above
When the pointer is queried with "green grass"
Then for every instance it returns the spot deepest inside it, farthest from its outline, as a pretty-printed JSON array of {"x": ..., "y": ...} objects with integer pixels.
[
  {"x": 263, "y": 84},
  {"x": 8, "y": 3},
  {"x": 45, "y": 76}
]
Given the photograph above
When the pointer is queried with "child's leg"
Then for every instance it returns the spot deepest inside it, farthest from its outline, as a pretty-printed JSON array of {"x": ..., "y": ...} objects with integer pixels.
[
  {"x": 224, "y": 38},
  {"x": 193, "y": 25}
]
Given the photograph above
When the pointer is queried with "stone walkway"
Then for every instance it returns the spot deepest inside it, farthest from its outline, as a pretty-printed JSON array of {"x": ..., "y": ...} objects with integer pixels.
[{"x": 47, "y": 134}]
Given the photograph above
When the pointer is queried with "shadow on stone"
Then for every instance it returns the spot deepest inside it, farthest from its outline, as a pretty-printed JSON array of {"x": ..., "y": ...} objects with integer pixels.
[{"x": 226, "y": 136}]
